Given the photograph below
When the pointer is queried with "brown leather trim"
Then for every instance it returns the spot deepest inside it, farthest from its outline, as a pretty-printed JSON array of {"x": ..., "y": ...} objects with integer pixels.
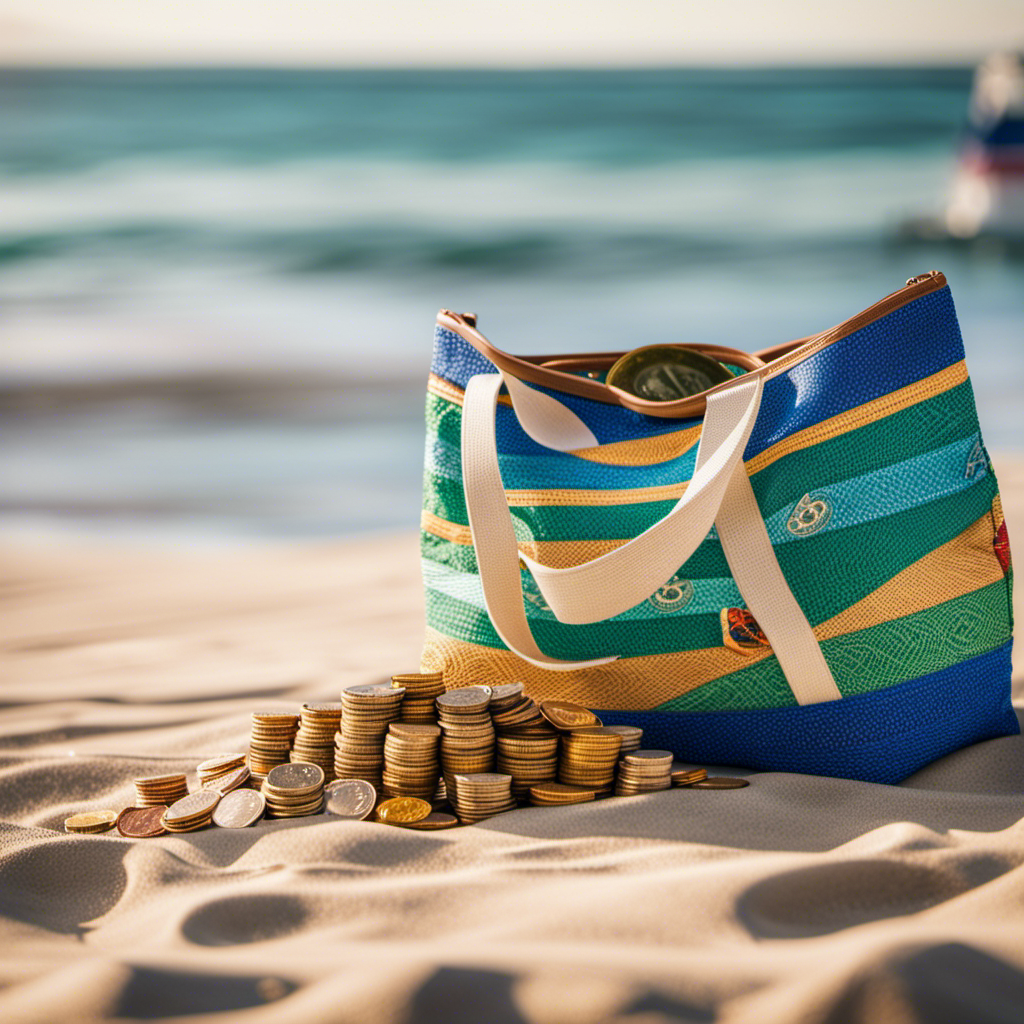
[{"x": 773, "y": 361}]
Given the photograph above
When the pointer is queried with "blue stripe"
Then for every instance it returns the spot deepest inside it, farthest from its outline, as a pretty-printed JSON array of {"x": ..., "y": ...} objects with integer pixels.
[
  {"x": 876, "y": 737},
  {"x": 914, "y": 341}
]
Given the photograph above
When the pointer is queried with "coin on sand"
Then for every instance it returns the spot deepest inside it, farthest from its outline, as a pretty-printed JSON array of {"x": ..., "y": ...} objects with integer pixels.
[
  {"x": 233, "y": 779},
  {"x": 563, "y": 715},
  {"x": 350, "y": 798},
  {"x": 239, "y": 809},
  {"x": 402, "y": 809},
  {"x": 141, "y": 822},
  {"x": 432, "y": 822},
  {"x": 90, "y": 821},
  {"x": 720, "y": 782},
  {"x": 191, "y": 812},
  {"x": 687, "y": 775}
]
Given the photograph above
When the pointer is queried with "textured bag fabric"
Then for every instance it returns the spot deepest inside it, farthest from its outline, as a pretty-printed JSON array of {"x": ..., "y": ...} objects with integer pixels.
[{"x": 870, "y": 472}]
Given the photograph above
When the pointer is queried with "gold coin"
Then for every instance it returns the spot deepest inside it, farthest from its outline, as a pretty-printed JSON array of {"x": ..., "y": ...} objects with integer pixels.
[
  {"x": 401, "y": 809},
  {"x": 564, "y": 715},
  {"x": 666, "y": 373},
  {"x": 90, "y": 821},
  {"x": 433, "y": 821}
]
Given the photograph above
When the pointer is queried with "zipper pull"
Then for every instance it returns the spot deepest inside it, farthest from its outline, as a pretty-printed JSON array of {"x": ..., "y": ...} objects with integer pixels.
[{"x": 922, "y": 277}]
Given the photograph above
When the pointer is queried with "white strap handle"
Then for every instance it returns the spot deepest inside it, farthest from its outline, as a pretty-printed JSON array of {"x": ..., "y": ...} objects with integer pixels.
[{"x": 622, "y": 578}]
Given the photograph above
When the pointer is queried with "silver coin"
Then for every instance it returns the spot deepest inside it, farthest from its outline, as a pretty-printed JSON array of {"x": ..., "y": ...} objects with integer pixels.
[
  {"x": 350, "y": 798},
  {"x": 297, "y": 775},
  {"x": 239, "y": 809},
  {"x": 465, "y": 696},
  {"x": 505, "y": 690},
  {"x": 231, "y": 781},
  {"x": 195, "y": 805},
  {"x": 649, "y": 755}
]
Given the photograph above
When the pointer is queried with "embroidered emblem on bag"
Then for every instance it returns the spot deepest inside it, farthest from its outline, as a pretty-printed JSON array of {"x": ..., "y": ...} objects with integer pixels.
[
  {"x": 977, "y": 460},
  {"x": 672, "y": 596},
  {"x": 740, "y": 632},
  {"x": 1001, "y": 545},
  {"x": 812, "y": 513}
]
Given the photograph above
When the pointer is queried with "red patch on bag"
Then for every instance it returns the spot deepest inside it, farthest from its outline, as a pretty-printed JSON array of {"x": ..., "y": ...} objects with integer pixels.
[
  {"x": 1001, "y": 544},
  {"x": 740, "y": 632}
]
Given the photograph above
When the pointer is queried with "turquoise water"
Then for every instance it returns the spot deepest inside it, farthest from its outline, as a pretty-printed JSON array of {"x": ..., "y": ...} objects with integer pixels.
[{"x": 163, "y": 230}]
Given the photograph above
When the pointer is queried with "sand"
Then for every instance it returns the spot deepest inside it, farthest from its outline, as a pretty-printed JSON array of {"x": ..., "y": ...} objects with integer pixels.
[{"x": 798, "y": 899}]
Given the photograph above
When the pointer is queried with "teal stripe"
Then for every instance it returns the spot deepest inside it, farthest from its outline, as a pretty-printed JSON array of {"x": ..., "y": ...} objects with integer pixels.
[
  {"x": 709, "y": 595},
  {"x": 873, "y": 658}
]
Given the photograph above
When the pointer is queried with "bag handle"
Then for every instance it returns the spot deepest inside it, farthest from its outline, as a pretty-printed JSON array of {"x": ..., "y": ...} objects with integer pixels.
[{"x": 622, "y": 578}]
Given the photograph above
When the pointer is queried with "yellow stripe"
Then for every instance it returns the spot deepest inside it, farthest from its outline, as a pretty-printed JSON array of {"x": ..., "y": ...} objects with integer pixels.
[
  {"x": 644, "y": 451},
  {"x": 452, "y": 392},
  {"x": 852, "y": 419},
  {"x": 962, "y": 565},
  {"x": 965, "y": 563}
]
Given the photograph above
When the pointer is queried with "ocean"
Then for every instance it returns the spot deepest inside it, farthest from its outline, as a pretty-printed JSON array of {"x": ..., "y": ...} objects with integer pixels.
[{"x": 217, "y": 287}]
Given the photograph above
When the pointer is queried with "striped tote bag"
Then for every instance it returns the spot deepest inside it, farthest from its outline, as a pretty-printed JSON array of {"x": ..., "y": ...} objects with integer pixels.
[{"x": 802, "y": 569}]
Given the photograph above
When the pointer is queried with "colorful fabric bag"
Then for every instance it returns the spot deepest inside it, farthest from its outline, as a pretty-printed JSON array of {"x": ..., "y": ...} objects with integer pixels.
[{"x": 802, "y": 569}]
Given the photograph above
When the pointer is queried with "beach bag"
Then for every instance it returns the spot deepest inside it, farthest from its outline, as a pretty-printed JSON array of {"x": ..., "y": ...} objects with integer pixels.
[{"x": 802, "y": 569}]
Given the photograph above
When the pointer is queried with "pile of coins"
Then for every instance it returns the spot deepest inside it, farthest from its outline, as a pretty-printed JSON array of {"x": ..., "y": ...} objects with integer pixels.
[
  {"x": 467, "y": 741},
  {"x": 270, "y": 742},
  {"x": 589, "y": 757},
  {"x": 421, "y": 690},
  {"x": 319, "y": 724},
  {"x": 411, "y": 766},
  {"x": 482, "y": 795},
  {"x": 160, "y": 790},
  {"x": 644, "y": 771},
  {"x": 294, "y": 790},
  {"x": 359, "y": 748},
  {"x": 220, "y": 767},
  {"x": 192, "y": 812},
  {"x": 483, "y": 750}
]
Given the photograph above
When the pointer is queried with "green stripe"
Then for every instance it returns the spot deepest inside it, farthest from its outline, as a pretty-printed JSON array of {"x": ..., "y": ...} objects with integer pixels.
[
  {"x": 444, "y": 418},
  {"x": 873, "y": 658},
  {"x": 826, "y": 573}
]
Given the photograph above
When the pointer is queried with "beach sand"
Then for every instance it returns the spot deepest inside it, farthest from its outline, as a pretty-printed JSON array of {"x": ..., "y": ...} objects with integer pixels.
[{"x": 798, "y": 899}]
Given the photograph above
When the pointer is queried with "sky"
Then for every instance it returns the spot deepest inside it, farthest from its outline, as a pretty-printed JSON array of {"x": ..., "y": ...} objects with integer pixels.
[{"x": 508, "y": 33}]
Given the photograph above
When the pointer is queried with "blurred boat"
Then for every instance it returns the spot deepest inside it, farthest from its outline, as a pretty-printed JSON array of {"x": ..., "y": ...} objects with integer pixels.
[
  {"x": 986, "y": 200},
  {"x": 988, "y": 190}
]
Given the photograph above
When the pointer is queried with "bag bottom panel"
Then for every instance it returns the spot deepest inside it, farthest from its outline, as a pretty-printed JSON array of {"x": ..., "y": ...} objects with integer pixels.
[{"x": 882, "y": 736}]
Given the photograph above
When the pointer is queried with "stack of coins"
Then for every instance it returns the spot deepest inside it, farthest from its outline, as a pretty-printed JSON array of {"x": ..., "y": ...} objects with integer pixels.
[
  {"x": 217, "y": 767},
  {"x": 482, "y": 795},
  {"x": 631, "y": 737},
  {"x": 314, "y": 742},
  {"x": 529, "y": 760},
  {"x": 687, "y": 774},
  {"x": 513, "y": 712},
  {"x": 359, "y": 747},
  {"x": 411, "y": 766},
  {"x": 421, "y": 690},
  {"x": 155, "y": 790},
  {"x": 644, "y": 771},
  {"x": 192, "y": 812},
  {"x": 467, "y": 743},
  {"x": 294, "y": 790},
  {"x": 555, "y": 794},
  {"x": 588, "y": 757},
  {"x": 270, "y": 742},
  {"x": 89, "y": 822}
]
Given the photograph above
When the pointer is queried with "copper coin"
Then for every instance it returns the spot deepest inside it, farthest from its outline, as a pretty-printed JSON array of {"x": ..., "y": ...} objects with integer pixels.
[
  {"x": 350, "y": 798},
  {"x": 141, "y": 822},
  {"x": 564, "y": 715},
  {"x": 239, "y": 809},
  {"x": 433, "y": 821},
  {"x": 720, "y": 782}
]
